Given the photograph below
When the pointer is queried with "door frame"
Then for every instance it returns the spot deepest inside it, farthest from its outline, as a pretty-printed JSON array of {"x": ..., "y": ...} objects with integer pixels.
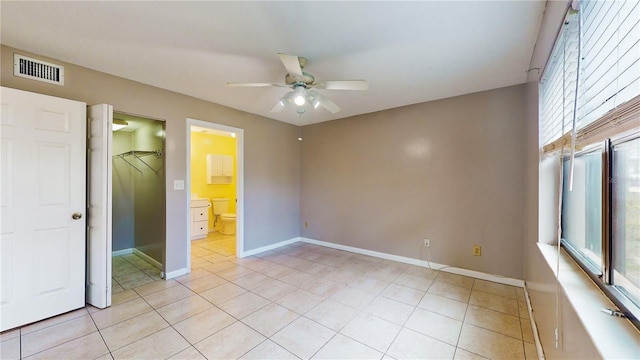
[{"x": 239, "y": 182}]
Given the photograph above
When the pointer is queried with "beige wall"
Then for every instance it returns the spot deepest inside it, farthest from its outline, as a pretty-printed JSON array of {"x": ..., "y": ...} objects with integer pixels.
[
  {"x": 449, "y": 170},
  {"x": 272, "y": 162}
]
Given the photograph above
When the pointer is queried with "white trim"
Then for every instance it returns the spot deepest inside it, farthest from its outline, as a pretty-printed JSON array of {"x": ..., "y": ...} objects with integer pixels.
[
  {"x": 422, "y": 263},
  {"x": 485, "y": 276},
  {"x": 148, "y": 258},
  {"x": 268, "y": 247},
  {"x": 176, "y": 273},
  {"x": 534, "y": 326},
  {"x": 122, "y": 252},
  {"x": 239, "y": 182}
]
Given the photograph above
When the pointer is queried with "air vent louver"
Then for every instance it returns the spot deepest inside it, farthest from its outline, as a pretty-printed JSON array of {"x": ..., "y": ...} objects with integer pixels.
[{"x": 37, "y": 70}]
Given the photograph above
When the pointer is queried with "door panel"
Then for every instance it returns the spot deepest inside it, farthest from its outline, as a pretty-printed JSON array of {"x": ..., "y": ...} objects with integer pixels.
[
  {"x": 52, "y": 177},
  {"x": 7, "y": 256},
  {"x": 6, "y": 167},
  {"x": 53, "y": 121},
  {"x": 52, "y": 260},
  {"x": 44, "y": 180}
]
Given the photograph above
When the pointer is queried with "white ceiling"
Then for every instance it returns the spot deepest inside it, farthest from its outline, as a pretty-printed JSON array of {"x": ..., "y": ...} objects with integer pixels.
[{"x": 410, "y": 52}]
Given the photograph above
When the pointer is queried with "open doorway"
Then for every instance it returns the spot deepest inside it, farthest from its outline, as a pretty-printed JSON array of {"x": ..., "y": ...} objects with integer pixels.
[
  {"x": 214, "y": 187},
  {"x": 138, "y": 201}
]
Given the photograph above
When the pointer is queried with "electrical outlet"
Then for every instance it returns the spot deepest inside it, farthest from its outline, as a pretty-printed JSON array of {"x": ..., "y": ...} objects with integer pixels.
[
  {"x": 477, "y": 250},
  {"x": 427, "y": 242}
]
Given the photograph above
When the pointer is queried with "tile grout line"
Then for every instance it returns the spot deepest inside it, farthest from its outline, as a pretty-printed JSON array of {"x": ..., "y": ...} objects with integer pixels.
[
  {"x": 144, "y": 337},
  {"x": 62, "y": 343},
  {"x": 464, "y": 318},
  {"x": 408, "y": 317},
  {"x": 100, "y": 333}
]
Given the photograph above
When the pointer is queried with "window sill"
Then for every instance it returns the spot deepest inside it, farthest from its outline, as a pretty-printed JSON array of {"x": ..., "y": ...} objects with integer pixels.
[{"x": 615, "y": 338}]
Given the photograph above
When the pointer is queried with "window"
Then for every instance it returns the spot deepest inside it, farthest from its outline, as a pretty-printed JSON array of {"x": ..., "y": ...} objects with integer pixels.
[
  {"x": 582, "y": 208},
  {"x": 592, "y": 81},
  {"x": 601, "y": 218},
  {"x": 625, "y": 223}
]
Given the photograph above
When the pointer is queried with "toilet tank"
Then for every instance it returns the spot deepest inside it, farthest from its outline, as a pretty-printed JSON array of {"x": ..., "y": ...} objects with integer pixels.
[{"x": 220, "y": 205}]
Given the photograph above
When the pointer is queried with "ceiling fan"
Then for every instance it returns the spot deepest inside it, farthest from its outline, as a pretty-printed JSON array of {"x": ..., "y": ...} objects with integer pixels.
[{"x": 303, "y": 85}]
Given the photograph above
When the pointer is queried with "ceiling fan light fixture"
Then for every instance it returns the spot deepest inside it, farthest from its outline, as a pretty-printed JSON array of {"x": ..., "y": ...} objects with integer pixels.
[
  {"x": 315, "y": 103},
  {"x": 303, "y": 86},
  {"x": 299, "y": 96}
]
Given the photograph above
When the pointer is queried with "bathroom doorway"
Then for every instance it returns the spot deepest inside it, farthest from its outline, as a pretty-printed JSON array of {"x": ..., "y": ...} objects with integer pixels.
[
  {"x": 138, "y": 201},
  {"x": 214, "y": 187}
]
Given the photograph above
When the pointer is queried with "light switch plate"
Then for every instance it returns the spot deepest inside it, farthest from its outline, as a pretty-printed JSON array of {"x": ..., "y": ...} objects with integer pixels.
[{"x": 178, "y": 184}]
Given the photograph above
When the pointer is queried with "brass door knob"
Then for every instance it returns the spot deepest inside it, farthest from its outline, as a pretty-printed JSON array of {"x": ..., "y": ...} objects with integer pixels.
[{"x": 76, "y": 216}]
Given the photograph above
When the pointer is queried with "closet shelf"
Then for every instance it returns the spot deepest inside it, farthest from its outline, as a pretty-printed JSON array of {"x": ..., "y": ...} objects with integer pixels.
[{"x": 139, "y": 155}]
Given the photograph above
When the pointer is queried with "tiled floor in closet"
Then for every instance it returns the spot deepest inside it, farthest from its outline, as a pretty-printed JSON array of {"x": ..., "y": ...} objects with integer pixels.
[{"x": 299, "y": 301}]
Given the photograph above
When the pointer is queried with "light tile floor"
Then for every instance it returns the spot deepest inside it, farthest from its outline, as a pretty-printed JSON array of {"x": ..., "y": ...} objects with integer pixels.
[
  {"x": 299, "y": 301},
  {"x": 130, "y": 271},
  {"x": 217, "y": 243}
]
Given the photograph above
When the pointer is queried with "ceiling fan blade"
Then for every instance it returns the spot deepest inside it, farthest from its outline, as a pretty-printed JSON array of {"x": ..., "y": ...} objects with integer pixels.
[
  {"x": 292, "y": 64},
  {"x": 283, "y": 102},
  {"x": 241, "y": 84},
  {"x": 326, "y": 103},
  {"x": 342, "y": 85}
]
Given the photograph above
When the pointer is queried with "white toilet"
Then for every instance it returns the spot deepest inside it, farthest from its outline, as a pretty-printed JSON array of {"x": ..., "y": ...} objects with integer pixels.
[{"x": 221, "y": 213}]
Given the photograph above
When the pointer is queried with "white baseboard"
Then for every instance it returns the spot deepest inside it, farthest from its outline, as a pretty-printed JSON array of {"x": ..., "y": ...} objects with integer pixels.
[
  {"x": 402, "y": 259},
  {"x": 122, "y": 252},
  {"x": 268, "y": 247},
  {"x": 175, "y": 273},
  {"x": 148, "y": 258},
  {"x": 534, "y": 326},
  {"x": 422, "y": 263}
]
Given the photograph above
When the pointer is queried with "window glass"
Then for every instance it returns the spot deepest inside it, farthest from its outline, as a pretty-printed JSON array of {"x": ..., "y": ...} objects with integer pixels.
[
  {"x": 582, "y": 208},
  {"x": 626, "y": 217}
]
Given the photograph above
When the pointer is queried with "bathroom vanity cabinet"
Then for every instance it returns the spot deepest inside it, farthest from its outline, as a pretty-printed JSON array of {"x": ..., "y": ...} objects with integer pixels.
[{"x": 199, "y": 218}]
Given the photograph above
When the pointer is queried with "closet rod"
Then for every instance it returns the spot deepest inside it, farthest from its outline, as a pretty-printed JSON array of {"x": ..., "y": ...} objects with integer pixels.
[
  {"x": 130, "y": 164},
  {"x": 138, "y": 155}
]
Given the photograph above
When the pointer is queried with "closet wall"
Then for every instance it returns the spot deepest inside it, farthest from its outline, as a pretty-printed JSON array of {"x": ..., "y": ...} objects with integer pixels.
[
  {"x": 123, "y": 194},
  {"x": 149, "y": 193}
]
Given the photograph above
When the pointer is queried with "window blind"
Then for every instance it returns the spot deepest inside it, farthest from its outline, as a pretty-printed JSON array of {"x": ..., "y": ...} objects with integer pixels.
[
  {"x": 610, "y": 56},
  {"x": 609, "y": 74},
  {"x": 558, "y": 82}
]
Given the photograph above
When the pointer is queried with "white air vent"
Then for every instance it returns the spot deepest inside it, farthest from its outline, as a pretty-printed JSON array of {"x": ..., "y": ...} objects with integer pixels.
[{"x": 37, "y": 70}]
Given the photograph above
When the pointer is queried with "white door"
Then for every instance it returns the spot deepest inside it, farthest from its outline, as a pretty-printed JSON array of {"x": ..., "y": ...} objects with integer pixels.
[
  {"x": 99, "y": 199},
  {"x": 42, "y": 206}
]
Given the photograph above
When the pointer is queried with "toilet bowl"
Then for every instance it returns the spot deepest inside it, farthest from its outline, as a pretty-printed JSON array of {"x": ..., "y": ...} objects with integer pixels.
[{"x": 228, "y": 221}]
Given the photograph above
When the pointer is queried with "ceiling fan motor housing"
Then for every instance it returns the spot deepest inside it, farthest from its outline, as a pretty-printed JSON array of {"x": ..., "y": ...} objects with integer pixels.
[{"x": 307, "y": 78}]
